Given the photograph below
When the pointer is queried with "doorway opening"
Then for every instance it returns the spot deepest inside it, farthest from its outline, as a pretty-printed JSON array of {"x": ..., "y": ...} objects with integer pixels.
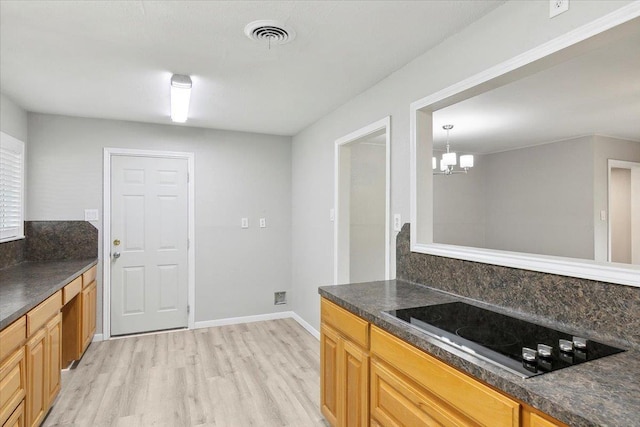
[
  {"x": 624, "y": 212},
  {"x": 148, "y": 240},
  {"x": 362, "y": 204}
]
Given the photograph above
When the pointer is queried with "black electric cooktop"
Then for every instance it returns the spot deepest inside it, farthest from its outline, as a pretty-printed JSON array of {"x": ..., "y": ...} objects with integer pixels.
[{"x": 524, "y": 348}]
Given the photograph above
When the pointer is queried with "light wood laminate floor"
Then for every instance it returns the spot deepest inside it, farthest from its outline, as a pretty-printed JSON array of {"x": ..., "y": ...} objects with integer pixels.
[{"x": 255, "y": 374}]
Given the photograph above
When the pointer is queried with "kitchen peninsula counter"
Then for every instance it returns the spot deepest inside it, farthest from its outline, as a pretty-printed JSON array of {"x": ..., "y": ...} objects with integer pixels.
[
  {"x": 603, "y": 392},
  {"x": 24, "y": 286}
]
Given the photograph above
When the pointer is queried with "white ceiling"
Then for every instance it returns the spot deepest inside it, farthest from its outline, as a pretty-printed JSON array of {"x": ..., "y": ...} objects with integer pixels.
[
  {"x": 596, "y": 91},
  {"x": 114, "y": 59}
]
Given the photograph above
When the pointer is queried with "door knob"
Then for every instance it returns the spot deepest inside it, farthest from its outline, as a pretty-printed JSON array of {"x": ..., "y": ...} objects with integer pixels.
[{"x": 116, "y": 255}]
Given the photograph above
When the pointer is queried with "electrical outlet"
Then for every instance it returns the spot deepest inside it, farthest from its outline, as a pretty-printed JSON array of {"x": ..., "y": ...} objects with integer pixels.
[
  {"x": 244, "y": 223},
  {"x": 263, "y": 222},
  {"x": 91, "y": 214},
  {"x": 397, "y": 222},
  {"x": 556, "y": 7}
]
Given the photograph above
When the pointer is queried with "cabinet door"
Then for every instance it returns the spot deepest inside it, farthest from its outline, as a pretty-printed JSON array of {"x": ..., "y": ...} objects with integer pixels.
[
  {"x": 355, "y": 383},
  {"x": 54, "y": 357},
  {"x": 12, "y": 383},
  {"x": 329, "y": 343},
  {"x": 37, "y": 378},
  {"x": 88, "y": 314},
  {"x": 93, "y": 295}
]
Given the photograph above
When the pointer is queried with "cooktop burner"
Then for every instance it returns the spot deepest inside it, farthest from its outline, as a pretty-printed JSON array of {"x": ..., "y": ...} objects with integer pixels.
[{"x": 524, "y": 348}]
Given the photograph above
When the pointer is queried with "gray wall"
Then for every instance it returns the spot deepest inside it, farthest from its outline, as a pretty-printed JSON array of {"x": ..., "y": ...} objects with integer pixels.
[
  {"x": 606, "y": 148},
  {"x": 620, "y": 215},
  {"x": 13, "y": 119},
  {"x": 544, "y": 199},
  {"x": 540, "y": 199},
  {"x": 459, "y": 216},
  {"x": 367, "y": 211},
  {"x": 509, "y": 30},
  {"x": 236, "y": 175}
]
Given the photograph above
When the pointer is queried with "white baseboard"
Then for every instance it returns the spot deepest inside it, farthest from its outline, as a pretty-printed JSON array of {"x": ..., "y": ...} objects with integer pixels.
[
  {"x": 313, "y": 331},
  {"x": 259, "y": 318},
  {"x": 97, "y": 338}
]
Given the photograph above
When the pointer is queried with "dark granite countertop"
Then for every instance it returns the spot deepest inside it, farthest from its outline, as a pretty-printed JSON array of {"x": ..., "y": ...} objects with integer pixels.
[
  {"x": 603, "y": 392},
  {"x": 26, "y": 285}
]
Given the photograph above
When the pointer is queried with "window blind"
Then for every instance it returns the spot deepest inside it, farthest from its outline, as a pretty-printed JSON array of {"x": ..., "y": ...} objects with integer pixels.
[{"x": 11, "y": 188}]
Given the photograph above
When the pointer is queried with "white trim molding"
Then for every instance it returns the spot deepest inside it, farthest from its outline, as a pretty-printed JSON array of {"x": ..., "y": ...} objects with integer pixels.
[
  {"x": 421, "y": 179},
  {"x": 106, "y": 229},
  {"x": 259, "y": 318},
  {"x": 382, "y": 124}
]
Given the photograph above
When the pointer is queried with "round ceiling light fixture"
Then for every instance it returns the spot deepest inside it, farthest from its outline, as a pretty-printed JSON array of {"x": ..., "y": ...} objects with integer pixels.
[{"x": 271, "y": 32}]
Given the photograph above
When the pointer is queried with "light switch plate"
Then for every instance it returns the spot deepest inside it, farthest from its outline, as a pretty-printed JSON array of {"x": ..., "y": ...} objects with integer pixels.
[
  {"x": 91, "y": 215},
  {"x": 332, "y": 214},
  {"x": 244, "y": 222}
]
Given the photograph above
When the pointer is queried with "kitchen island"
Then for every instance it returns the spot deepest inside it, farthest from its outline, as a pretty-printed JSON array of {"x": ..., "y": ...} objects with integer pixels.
[{"x": 603, "y": 392}]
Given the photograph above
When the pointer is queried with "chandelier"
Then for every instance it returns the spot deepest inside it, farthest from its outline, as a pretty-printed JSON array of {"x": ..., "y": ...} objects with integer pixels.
[{"x": 449, "y": 160}]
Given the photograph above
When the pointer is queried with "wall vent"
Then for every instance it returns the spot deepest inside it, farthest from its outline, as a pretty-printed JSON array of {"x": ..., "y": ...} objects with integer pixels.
[{"x": 280, "y": 298}]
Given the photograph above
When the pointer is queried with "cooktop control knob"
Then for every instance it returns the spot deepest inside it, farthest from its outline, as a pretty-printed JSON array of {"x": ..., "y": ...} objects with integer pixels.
[
  {"x": 566, "y": 346},
  {"x": 544, "y": 350},
  {"x": 529, "y": 355},
  {"x": 580, "y": 343}
]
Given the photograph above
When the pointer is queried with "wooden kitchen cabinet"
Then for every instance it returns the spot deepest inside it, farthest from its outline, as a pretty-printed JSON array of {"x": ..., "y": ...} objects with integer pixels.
[
  {"x": 407, "y": 380},
  {"x": 17, "y": 418},
  {"x": 78, "y": 316},
  {"x": 43, "y": 358},
  {"x": 89, "y": 297},
  {"x": 88, "y": 328},
  {"x": 372, "y": 378},
  {"x": 54, "y": 357},
  {"x": 37, "y": 378},
  {"x": 12, "y": 383},
  {"x": 344, "y": 343},
  {"x": 33, "y": 348},
  {"x": 534, "y": 418}
]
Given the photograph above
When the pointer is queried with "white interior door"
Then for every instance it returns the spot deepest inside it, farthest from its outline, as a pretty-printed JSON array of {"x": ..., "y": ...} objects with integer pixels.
[{"x": 149, "y": 243}]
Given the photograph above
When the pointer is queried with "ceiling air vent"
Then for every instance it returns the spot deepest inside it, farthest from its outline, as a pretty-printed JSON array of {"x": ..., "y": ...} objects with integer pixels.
[{"x": 271, "y": 32}]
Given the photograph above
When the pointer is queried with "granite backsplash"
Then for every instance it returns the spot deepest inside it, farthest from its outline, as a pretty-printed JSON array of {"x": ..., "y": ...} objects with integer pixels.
[
  {"x": 610, "y": 312},
  {"x": 11, "y": 253},
  {"x": 51, "y": 241}
]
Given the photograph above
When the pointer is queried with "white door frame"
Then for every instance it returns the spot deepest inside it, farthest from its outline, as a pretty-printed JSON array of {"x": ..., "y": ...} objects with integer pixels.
[
  {"x": 622, "y": 164},
  {"x": 106, "y": 229},
  {"x": 382, "y": 124}
]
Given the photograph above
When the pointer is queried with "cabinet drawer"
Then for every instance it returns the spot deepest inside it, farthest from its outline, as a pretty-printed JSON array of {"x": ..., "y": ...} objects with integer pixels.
[
  {"x": 397, "y": 401},
  {"x": 71, "y": 290},
  {"x": 534, "y": 418},
  {"x": 12, "y": 383},
  {"x": 89, "y": 276},
  {"x": 472, "y": 398},
  {"x": 39, "y": 316},
  {"x": 347, "y": 323},
  {"x": 17, "y": 418},
  {"x": 12, "y": 337}
]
